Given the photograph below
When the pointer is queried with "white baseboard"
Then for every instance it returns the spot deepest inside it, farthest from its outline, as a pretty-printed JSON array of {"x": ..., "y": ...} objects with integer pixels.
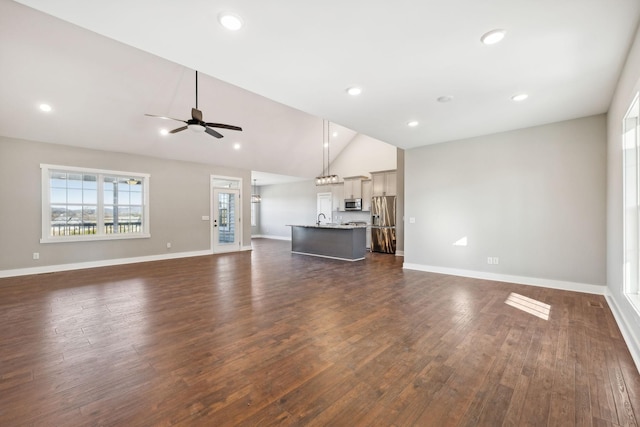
[
  {"x": 522, "y": 280},
  {"x": 627, "y": 328},
  {"x": 101, "y": 263},
  {"x": 399, "y": 253}
]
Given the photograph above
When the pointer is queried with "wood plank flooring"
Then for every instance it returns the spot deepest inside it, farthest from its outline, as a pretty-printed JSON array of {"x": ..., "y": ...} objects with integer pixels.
[{"x": 272, "y": 338}]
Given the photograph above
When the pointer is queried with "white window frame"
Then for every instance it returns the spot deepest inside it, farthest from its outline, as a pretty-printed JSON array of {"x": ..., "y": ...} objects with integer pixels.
[
  {"x": 631, "y": 202},
  {"x": 100, "y": 234}
]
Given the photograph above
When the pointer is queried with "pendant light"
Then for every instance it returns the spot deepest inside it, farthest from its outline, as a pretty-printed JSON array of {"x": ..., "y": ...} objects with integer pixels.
[
  {"x": 255, "y": 197},
  {"x": 326, "y": 177}
]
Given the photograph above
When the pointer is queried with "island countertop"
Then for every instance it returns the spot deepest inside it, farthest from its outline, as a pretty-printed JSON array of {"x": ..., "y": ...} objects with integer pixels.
[
  {"x": 329, "y": 225},
  {"x": 337, "y": 241}
]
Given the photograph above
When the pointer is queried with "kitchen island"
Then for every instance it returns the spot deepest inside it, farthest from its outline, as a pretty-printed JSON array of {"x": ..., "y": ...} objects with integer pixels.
[{"x": 344, "y": 242}]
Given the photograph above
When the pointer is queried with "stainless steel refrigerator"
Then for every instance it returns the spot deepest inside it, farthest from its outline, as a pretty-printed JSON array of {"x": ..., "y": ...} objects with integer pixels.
[{"x": 383, "y": 224}]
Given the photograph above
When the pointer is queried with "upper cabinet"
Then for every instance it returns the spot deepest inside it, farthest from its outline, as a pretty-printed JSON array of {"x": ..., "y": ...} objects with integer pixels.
[
  {"x": 384, "y": 183},
  {"x": 366, "y": 195},
  {"x": 353, "y": 187},
  {"x": 337, "y": 192}
]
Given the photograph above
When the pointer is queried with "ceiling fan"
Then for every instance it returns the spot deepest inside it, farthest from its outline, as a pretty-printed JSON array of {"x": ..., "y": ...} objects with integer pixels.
[{"x": 196, "y": 124}]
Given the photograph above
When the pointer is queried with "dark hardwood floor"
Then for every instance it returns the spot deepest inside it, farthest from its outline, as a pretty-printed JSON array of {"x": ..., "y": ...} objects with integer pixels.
[{"x": 271, "y": 338}]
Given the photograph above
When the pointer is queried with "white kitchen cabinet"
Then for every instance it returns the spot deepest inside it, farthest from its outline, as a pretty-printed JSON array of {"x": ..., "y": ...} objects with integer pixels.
[
  {"x": 337, "y": 192},
  {"x": 366, "y": 195},
  {"x": 353, "y": 187},
  {"x": 384, "y": 183}
]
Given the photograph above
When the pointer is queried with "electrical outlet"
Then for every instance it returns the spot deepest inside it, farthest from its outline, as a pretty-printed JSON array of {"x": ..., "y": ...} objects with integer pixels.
[
  {"x": 168, "y": 245},
  {"x": 496, "y": 260},
  {"x": 36, "y": 255},
  {"x": 489, "y": 260}
]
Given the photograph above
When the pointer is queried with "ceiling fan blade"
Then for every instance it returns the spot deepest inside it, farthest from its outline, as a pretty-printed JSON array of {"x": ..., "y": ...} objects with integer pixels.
[
  {"x": 213, "y": 133},
  {"x": 223, "y": 126},
  {"x": 165, "y": 117},
  {"x": 178, "y": 129},
  {"x": 196, "y": 114}
]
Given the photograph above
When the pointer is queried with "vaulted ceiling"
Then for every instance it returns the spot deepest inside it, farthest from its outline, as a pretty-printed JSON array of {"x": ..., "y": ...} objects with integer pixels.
[{"x": 103, "y": 65}]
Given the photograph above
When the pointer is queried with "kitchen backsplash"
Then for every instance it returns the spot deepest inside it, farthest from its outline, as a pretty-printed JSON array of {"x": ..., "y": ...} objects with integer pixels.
[{"x": 340, "y": 216}]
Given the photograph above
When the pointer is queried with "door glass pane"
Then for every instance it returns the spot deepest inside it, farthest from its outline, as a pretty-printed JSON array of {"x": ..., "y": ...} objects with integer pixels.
[{"x": 226, "y": 218}]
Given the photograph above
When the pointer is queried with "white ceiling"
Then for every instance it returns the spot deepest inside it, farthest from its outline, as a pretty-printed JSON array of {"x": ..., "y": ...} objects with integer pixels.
[{"x": 290, "y": 65}]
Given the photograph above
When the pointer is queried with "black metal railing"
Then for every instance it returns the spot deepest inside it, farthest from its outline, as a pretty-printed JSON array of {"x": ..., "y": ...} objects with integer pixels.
[{"x": 80, "y": 229}]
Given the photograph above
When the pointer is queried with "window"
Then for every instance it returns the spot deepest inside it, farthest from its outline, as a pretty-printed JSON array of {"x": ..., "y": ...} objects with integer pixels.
[
  {"x": 631, "y": 196},
  {"x": 89, "y": 204}
]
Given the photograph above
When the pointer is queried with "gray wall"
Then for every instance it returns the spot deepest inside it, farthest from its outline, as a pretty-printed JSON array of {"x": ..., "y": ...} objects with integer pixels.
[
  {"x": 400, "y": 203},
  {"x": 534, "y": 197},
  {"x": 179, "y": 197},
  {"x": 294, "y": 203},
  {"x": 282, "y": 204},
  {"x": 627, "y": 87}
]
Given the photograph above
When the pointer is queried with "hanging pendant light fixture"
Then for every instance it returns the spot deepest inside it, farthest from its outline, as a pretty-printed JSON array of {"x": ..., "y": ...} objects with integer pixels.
[
  {"x": 326, "y": 177},
  {"x": 255, "y": 197}
]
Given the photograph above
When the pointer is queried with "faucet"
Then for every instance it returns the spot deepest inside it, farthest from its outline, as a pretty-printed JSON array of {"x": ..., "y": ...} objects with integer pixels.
[{"x": 323, "y": 215}]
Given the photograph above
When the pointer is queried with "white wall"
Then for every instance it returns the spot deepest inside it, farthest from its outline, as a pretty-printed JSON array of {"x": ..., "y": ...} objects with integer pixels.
[
  {"x": 628, "y": 85},
  {"x": 364, "y": 155},
  {"x": 534, "y": 197}
]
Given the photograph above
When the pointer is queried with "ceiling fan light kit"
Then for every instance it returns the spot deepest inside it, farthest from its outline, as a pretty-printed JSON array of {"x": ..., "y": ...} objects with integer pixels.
[
  {"x": 196, "y": 128},
  {"x": 196, "y": 124}
]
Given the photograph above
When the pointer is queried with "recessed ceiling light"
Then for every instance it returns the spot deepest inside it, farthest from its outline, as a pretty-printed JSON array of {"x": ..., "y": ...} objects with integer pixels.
[
  {"x": 45, "y": 107},
  {"x": 230, "y": 21},
  {"x": 236, "y": 146},
  {"x": 413, "y": 123},
  {"x": 519, "y": 97},
  {"x": 354, "y": 90},
  {"x": 334, "y": 134},
  {"x": 445, "y": 98},
  {"x": 493, "y": 36},
  {"x": 164, "y": 132}
]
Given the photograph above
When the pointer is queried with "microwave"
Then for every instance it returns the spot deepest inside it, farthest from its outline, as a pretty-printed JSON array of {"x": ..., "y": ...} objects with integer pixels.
[{"x": 352, "y": 204}]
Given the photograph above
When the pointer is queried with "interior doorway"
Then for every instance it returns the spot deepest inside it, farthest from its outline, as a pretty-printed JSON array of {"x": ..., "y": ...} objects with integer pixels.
[{"x": 324, "y": 207}]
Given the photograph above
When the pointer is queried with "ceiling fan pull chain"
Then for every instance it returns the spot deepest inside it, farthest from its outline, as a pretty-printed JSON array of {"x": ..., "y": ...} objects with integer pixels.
[{"x": 196, "y": 89}]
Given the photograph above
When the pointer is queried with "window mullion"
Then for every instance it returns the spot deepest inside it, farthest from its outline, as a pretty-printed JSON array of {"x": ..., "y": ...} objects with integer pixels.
[{"x": 100, "y": 214}]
